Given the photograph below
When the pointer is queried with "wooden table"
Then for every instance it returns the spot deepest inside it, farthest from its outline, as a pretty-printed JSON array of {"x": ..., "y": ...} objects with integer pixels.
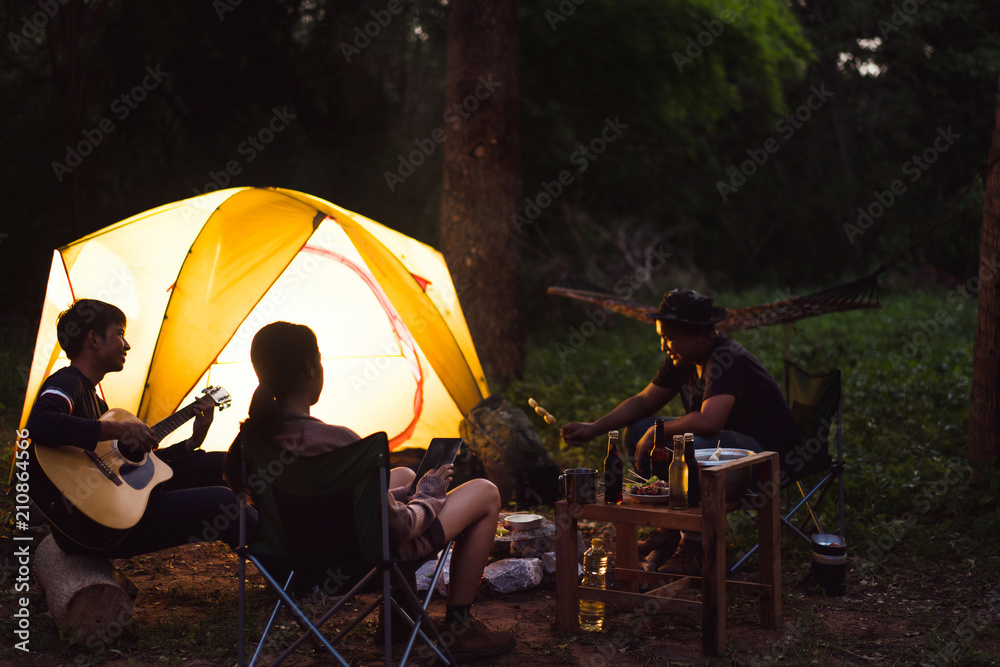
[{"x": 709, "y": 519}]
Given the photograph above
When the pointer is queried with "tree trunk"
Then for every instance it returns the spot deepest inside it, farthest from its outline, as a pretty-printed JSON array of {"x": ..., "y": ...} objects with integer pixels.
[
  {"x": 984, "y": 410},
  {"x": 482, "y": 179}
]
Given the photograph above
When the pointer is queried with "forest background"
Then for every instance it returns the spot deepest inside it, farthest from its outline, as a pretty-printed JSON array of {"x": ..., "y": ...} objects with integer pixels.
[
  {"x": 715, "y": 144},
  {"x": 754, "y": 149}
]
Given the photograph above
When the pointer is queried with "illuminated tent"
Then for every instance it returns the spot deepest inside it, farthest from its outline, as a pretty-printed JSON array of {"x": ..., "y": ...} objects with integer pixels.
[{"x": 198, "y": 278}]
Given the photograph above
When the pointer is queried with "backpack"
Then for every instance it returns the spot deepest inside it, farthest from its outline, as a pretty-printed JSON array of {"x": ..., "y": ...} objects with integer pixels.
[{"x": 501, "y": 443}]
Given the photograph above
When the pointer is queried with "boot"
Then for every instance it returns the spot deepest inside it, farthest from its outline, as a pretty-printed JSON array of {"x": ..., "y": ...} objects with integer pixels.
[
  {"x": 471, "y": 639},
  {"x": 400, "y": 628},
  {"x": 654, "y": 559},
  {"x": 686, "y": 561},
  {"x": 662, "y": 539}
]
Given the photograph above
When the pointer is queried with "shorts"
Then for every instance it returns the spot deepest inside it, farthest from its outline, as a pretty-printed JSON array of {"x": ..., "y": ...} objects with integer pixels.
[{"x": 428, "y": 542}]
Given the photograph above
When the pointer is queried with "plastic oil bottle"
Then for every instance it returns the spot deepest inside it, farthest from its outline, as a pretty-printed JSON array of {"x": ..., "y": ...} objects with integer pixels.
[{"x": 595, "y": 565}]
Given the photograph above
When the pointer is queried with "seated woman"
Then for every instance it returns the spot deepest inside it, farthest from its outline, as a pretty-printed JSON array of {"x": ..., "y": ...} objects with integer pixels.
[{"x": 286, "y": 359}]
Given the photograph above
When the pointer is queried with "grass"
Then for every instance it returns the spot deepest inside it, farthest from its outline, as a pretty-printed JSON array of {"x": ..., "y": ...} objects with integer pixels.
[
  {"x": 906, "y": 384},
  {"x": 912, "y": 505},
  {"x": 915, "y": 510}
]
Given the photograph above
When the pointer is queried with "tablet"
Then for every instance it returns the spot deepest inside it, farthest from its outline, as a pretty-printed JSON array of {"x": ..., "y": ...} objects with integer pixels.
[{"x": 439, "y": 452}]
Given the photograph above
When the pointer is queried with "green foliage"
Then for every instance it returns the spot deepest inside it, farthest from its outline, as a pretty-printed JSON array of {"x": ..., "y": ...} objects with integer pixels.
[
  {"x": 703, "y": 86},
  {"x": 905, "y": 405}
]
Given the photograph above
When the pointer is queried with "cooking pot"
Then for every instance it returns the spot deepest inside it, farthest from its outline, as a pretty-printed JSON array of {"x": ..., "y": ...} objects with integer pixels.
[{"x": 737, "y": 481}]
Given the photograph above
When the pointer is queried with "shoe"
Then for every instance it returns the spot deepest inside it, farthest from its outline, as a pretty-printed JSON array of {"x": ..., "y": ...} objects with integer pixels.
[
  {"x": 473, "y": 640},
  {"x": 687, "y": 560},
  {"x": 400, "y": 628},
  {"x": 663, "y": 539},
  {"x": 654, "y": 559}
]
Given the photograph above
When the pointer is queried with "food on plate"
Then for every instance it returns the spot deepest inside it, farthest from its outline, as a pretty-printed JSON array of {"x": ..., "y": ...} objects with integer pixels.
[
  {"x": 717, "y": 454},
  {"x": 654, "y": 487}
]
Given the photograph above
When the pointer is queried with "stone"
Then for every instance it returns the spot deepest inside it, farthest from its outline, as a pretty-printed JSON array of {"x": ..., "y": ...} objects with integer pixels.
[
  {"x": 426, "y": 571},
  {"x": 514, "y": 574}
]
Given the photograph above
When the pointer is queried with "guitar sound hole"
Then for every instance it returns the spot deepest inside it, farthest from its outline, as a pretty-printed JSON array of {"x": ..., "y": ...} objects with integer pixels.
[{"x": 130, "y": 454}]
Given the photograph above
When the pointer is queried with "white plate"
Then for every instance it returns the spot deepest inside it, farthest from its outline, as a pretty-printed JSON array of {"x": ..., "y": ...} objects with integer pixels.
[
  {"x": 523, "y": 521},
  {"x": 649, "y": 500}
]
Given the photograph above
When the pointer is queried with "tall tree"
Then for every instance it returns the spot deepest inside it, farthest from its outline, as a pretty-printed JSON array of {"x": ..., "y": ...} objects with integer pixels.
[
  {"x": 482, "y": 179},
  {"x": 984, "y": 411}
]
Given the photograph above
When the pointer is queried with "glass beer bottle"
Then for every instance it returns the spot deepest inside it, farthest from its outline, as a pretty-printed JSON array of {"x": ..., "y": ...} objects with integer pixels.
[
  {"x": 614, "y": 471},
  {"x": 678, "y": 476},
  {"x": 659, "y": 458},
  {"x": 694, "y": 477}
]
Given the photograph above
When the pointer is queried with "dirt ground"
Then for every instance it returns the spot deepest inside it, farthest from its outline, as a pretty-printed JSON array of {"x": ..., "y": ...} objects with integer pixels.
[{"x": 885, "y": 622}]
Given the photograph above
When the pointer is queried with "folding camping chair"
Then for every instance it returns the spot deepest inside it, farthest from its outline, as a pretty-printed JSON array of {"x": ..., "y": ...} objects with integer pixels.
[
  {"x": 815, "y": 404},
  {"x": 343, "y": 552}
]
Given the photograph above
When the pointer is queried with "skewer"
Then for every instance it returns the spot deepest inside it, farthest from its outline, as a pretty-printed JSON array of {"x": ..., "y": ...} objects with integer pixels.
[
  {"x": 718, "y": 451},
  {"x": 637, "y": 477},
  {"x": 542, "y": 412}
]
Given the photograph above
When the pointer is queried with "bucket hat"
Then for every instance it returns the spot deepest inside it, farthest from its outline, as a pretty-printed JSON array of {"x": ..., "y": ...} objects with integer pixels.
[{"x": 688, "y": 307}]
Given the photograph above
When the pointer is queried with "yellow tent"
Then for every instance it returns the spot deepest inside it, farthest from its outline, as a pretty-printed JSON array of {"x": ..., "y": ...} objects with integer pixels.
[{"x": 198, "y": 278}]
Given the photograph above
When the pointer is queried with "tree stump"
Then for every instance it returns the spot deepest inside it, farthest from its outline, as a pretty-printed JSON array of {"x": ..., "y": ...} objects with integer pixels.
[{"x": 84, "y": 594}]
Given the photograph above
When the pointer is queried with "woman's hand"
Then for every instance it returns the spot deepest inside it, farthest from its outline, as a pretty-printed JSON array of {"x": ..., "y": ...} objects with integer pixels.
[{"x": 445, "y": 472}]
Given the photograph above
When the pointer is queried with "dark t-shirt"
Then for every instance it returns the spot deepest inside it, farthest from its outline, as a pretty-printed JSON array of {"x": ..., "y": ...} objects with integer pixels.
[
  {"x": 66, "y": 411},
  {"x": 760, "y": 410}
]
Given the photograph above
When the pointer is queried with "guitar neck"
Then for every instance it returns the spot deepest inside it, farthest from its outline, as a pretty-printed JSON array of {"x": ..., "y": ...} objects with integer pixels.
[{"x": 173, "y": 422}]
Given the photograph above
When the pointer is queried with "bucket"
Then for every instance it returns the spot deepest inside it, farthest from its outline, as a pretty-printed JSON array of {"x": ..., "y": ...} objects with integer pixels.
[{"x": 829, "y": 564}]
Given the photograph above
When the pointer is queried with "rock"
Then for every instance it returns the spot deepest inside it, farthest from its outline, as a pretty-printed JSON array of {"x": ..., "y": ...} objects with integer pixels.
[
  {"x": 549, "y": 562},
  {"x": 514, "y": 574},
  {"x": 426, "y": 571}
]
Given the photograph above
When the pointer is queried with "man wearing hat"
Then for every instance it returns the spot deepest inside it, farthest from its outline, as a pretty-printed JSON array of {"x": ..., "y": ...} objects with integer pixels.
[{"x": 728, "y": 397}]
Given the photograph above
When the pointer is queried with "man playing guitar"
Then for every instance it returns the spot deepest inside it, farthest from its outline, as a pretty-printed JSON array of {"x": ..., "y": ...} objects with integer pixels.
[{"x": 193, "y": 505}]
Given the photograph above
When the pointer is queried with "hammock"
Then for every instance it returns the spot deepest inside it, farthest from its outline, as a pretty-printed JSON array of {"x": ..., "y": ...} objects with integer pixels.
[{"x": 857, "y": 294}]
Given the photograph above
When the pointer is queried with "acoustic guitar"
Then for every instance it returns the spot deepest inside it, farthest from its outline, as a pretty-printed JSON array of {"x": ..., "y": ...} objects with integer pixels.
[{"x": 95, "y": 497}]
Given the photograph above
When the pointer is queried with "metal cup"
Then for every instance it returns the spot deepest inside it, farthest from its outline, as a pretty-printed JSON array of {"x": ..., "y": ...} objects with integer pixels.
[{"x": 579, "y": 485}]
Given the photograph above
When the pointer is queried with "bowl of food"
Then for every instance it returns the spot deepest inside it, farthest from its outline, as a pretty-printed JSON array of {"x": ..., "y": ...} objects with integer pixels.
[
  {"x": 523, "y": 521},
  {"x": 737, "y": 481},
  {"x": 653, "y": 492}
]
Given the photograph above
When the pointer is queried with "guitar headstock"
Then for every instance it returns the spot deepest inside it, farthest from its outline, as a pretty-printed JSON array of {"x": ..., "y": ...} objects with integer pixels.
[{"x": 219, "y": 396}]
